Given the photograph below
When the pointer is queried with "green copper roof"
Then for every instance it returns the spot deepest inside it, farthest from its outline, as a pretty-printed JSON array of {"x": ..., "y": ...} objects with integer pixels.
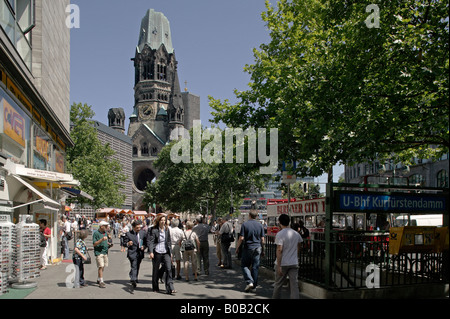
[{"x": 155, "y": 30}]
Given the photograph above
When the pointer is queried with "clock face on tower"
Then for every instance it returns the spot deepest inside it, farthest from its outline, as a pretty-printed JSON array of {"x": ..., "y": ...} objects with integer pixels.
[{"x": 146, "y": 111}]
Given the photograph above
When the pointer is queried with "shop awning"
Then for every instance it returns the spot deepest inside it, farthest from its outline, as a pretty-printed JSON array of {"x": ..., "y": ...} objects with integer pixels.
[
  {"x": 140, "y": 213},
  {"x": 48, "y": 202},
  {"x": 76, "y": 192}
]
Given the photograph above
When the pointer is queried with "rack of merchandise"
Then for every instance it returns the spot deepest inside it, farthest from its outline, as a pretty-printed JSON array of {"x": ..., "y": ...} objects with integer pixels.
[
  {"x": 3, "y": 287},
  {"x": 7, "y": 245},
  {"x": 27, "y": 254}
]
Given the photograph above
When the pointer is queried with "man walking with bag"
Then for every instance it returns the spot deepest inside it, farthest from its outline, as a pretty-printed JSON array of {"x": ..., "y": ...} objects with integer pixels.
[
  {"x": 251, "y": 241},
  {"x": 136, "y": 242},
  {"x": 226, "y": 238}
]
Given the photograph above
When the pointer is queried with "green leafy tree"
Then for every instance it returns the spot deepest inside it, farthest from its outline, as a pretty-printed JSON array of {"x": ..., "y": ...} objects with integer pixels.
[
  {"x": 90, "y": 162},
  {"x": 189, "y": 186},
  {"x": 340, "y": 89},
  {"x": 296, "y": 190}
]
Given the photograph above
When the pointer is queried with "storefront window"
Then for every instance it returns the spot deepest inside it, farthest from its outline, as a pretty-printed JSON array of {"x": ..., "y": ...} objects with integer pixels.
[
  {"x": 14, "y": 130},
  {"x": 58, "y": 160},
  {"x": 41, "y": 149}
]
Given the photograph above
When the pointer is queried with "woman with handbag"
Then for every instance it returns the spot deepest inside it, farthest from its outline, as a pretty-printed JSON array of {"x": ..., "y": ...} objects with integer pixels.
[{"x": 80, "y": 257}]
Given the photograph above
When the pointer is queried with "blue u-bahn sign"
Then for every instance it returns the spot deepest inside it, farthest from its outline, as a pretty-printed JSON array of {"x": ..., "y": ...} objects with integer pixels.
[{"x": 357, "y": 202}]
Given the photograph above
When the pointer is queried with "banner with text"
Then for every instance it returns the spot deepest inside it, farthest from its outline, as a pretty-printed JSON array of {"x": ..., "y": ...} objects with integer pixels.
[{"x": 357, "y": 202}]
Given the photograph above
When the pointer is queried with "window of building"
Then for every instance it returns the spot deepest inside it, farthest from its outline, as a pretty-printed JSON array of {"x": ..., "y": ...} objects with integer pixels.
[
  {"x": 17, "y": 20},
  {"x": 27, "y": 141},
  {"x": 58, "y": 159},
  {"x": 135, "y": 151},
  {"x": 41, "y": 149},
  {"x": 14, "y": 130},
  {"x": 162, "y": 72},
  {"x": 442, "y": 178},
  {"x": 144, "y": 149},
  {"x": 417, "y": 179}
]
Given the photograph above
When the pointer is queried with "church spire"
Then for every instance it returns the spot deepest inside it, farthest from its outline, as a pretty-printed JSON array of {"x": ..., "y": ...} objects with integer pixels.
[{"x": 155, "y": 31}]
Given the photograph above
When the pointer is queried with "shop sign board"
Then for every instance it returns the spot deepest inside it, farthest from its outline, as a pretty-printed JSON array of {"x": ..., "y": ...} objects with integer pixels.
[
  {"x": 38, "y": 174},
  {"x": 398, "y": 202}
]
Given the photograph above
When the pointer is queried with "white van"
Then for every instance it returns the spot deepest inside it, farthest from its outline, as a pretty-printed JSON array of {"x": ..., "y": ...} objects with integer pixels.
[{"x": 419, "y": 220}]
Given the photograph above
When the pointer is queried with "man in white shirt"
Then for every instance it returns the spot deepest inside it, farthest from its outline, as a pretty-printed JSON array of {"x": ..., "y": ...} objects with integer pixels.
[
  {"x": 66, "y": 231},
  {"x": 288, "y": 243}
]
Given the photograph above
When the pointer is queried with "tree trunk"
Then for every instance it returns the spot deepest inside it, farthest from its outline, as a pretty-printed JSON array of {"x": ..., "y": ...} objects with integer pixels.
[{"x": 330, "y": 175}]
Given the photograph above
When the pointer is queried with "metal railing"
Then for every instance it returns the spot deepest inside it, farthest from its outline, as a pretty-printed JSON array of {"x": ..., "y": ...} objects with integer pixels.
[{"x": 361, "y": 260}]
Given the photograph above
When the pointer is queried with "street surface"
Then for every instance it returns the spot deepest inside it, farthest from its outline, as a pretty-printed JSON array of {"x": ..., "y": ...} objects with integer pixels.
[{"x": 220, "y": 284}]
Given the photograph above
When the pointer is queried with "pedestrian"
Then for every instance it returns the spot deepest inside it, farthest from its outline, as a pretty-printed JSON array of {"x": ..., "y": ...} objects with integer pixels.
[
  {"x": 226, "y": 238},
  {"x": 176, "y": 235},
  {"x": 136, "y": 242},
  {"x": 160, "y": 248},
  {"x": 251, "y": 241},
  {"x": 82, "y": 224},
  {"x": 288, "y": 243},
  {"x": 101, "y": 247},
  {"x": 46, "y": 233},
  {"x": 202, "y": 231},
  {"x": 65, "y": 237},
  {"x": 217, "y": 241},
  {"x": 189, "y": 244},
  {"x": 79, "y": 257},
  {"x": 116, "y": 228},
  {"x": 74, "y": 225},
  {"x": 123, "y": 232}
]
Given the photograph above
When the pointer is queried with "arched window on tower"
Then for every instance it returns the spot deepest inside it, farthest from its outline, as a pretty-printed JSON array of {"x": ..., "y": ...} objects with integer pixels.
[
  {"x": 162, "y": 72},
  {"x": 144, "y": 71},
  {"x": 135, "y": 151},
  {"x": 148, "y": 70},
  {"x": 144, "y": 149}
]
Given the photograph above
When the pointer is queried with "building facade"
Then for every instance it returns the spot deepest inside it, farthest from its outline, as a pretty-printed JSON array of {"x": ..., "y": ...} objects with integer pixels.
[
  {"x": 35, "y": 110},
  {"x": 424, "y": 173},
  {"x": 160, "y": 108},
  {"x": 113, "y": 134}
]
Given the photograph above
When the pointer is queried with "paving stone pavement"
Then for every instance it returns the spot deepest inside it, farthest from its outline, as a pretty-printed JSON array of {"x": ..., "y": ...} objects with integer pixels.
[{"x": 219, "y": 284}]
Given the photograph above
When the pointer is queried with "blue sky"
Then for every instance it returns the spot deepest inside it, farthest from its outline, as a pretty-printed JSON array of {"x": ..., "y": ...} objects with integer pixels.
[{"x": 213, "y": 41}]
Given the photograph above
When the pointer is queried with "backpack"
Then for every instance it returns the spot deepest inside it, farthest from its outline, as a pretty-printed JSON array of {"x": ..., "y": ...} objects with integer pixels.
[
  {"x": 227, "y": 237},
  {"x": 188, "y": 244}
]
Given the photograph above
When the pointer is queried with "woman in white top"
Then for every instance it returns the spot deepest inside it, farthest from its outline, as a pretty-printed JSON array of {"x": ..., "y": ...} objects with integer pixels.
[{"x": 123, "y": 229}]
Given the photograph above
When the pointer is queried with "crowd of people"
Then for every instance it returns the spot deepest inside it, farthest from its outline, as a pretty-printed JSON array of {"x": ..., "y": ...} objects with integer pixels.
[{"x": 170, "y": 243}]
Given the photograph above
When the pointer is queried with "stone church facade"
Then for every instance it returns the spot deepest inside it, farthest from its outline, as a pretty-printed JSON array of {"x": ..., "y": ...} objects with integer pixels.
[{"x": 160, "y": 106}]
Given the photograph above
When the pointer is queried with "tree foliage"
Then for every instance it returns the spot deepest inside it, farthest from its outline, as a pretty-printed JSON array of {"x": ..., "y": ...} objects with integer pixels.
[
  {"x": 296, "y": 190},
  {"x": 90, "y": 162},
  {"x": 339, "y": 91},
  {"x": 190, "y": 186}
]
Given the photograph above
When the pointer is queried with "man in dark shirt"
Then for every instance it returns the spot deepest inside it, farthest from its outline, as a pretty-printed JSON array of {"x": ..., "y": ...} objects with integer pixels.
[
  {"x": 202, "y": 231},
  {"x": 251, "y": 240}
]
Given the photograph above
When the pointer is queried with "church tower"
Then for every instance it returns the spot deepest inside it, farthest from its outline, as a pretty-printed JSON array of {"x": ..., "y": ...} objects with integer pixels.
[{"x": 159, "y": 105}]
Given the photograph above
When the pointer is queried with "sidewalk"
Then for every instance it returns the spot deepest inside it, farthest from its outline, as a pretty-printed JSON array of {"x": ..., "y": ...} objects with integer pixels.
[{"x": 220, "y": 284}]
